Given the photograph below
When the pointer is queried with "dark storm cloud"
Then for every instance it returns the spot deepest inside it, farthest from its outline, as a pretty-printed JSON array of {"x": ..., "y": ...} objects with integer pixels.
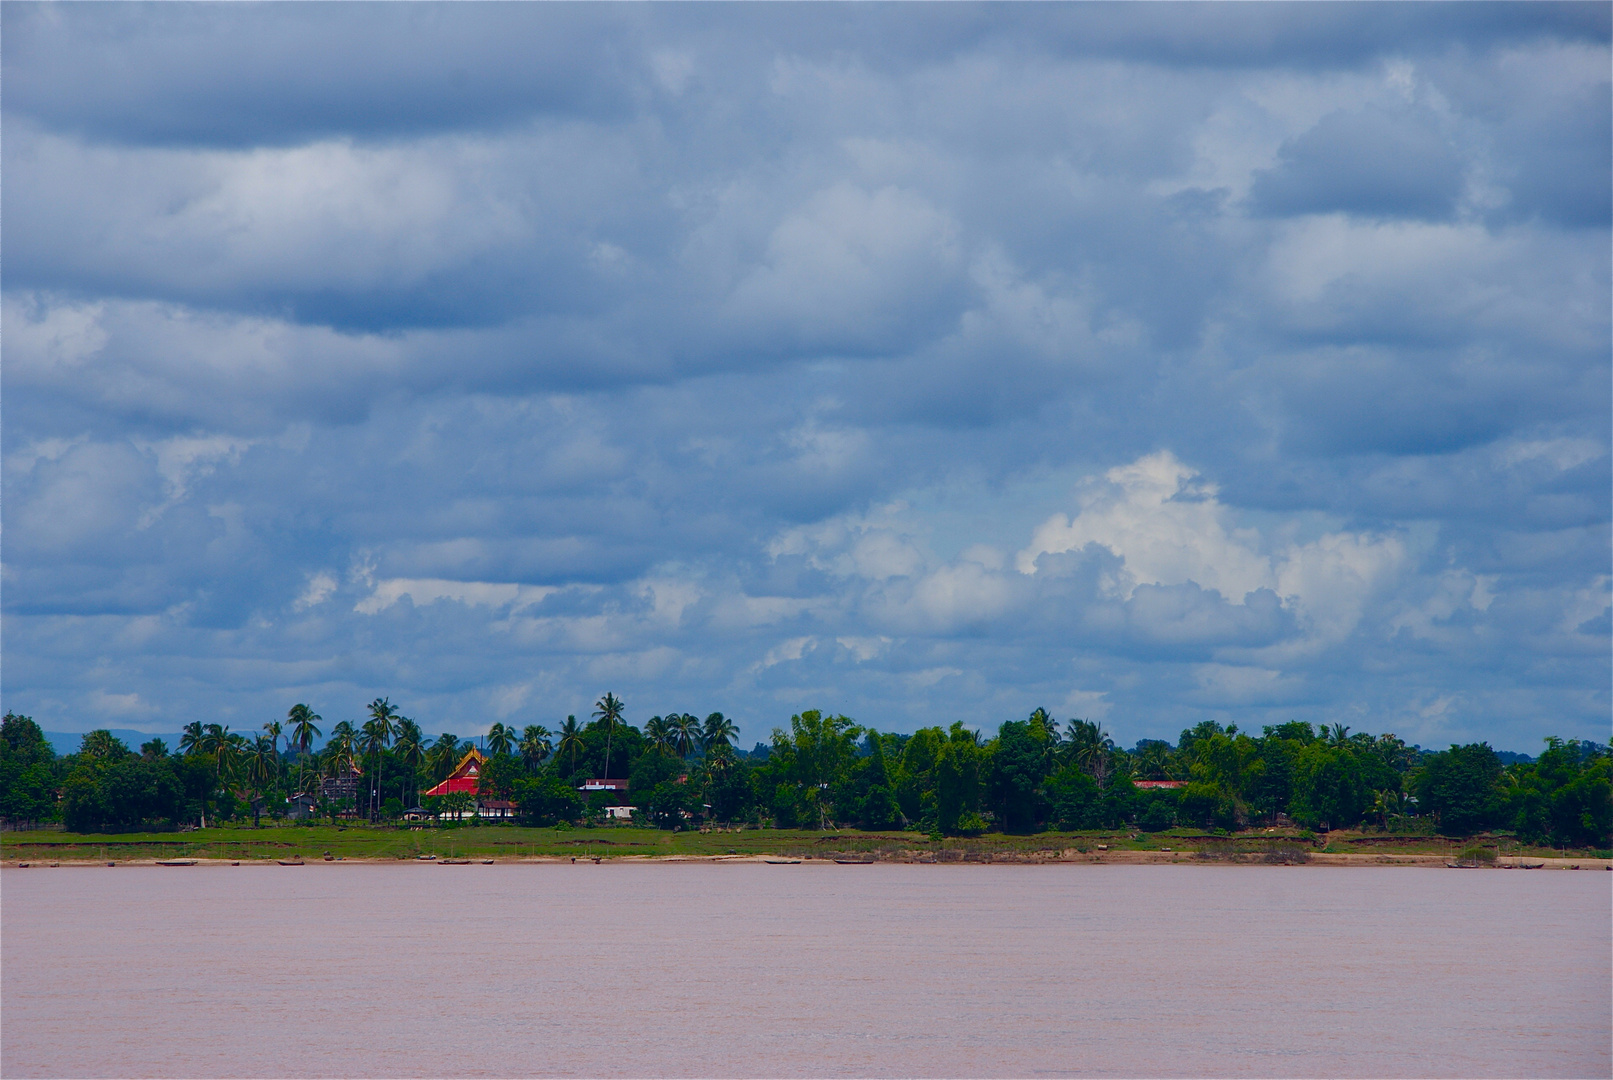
[{"x": 1144, "y": 362}]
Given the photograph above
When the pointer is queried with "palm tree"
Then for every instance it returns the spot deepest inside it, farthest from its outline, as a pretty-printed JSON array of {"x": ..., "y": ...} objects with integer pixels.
[
  {"x": 232, "y": 763},
  {"x": 608, "y": 711},
  {"x": 224, "y": 747},
  {"x": 273, "y": 730},
  {"x": 378, "y": 731},
  {"x": 660, "y": 735},
  {"x": 719, "y": 731},
  {"x": 262, "y": 767},
  {"x": 535, "y": 748},
  {"x": 101, "y": 744},
  {"x": 570, "y": 740},
  {"x": 340, "y": 751},
  {"x": 410, "y": 751},
  {"x": 444, "y": 755},
  {"x": 1090, "y": 746},
  {"x": 1040, "y": 717},
  {"x": 190, "y": 741},
  {"x": 1154, "y": 760},
  {"x": 215, "y": 743},
  {"x": 303, "y": 730},
  {"x": 1338, "y": 735},
  {"x": 499, "y": 740},
  {"x": 685, "y": 733}
]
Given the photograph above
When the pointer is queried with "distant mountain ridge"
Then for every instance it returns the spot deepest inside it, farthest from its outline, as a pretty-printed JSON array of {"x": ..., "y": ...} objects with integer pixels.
[{"x": 67, "y": 742}]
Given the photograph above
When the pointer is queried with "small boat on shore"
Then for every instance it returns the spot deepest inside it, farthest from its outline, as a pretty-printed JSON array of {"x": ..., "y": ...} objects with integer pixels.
[
  {"x": 453, "y": 862},
  {"x": 487, "y": 862},
  {"x": 855, "y": 862},
  {"x": 426, "y": 858},
  {"x": 782, "y": 862},
  {"x": 176, "y": 862},
  {"x": 289, "y": 862}
]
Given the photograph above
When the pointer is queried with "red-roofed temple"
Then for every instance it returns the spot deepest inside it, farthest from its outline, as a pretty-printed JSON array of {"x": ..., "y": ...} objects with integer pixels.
[{"x": 467, "y": 777}]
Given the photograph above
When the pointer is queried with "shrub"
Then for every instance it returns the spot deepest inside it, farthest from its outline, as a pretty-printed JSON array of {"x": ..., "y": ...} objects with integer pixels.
[{"x": 971, "y": 824}]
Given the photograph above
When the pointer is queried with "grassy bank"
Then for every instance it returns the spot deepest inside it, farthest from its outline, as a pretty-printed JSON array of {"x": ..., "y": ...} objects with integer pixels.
[{"x": 506, "y": 842}]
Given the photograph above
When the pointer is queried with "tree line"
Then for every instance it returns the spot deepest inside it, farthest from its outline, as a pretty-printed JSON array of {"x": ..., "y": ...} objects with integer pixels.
[{"x": 825, "y": 771}]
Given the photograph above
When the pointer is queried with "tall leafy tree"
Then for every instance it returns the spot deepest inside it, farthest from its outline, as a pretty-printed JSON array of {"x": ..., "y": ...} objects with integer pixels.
[
  {"x": 28, "y": 771},
  {"x": 813, "y": 757},
  {"x": 1020, "y": 768},
  {"x": 1462, "y": 788}
]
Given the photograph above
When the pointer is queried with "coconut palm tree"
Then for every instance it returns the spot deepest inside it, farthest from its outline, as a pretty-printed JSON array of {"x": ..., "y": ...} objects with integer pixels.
[
  {"x": 444, "y": 755},
  {"x": 410, "y": 751},
  {"x": 1090, "y": 746},
  {"x": 719, "y": 730},
  {"x": 660, "y": 735},
  {"x": 500, "y": 739},
  {"x": 262, "y": 768},
  {"x": 376, "y": 736},
  {"x": 343, "y": 741},
  {"x": 1336, "y": 736},
  {"x": 608, "y": 711},
  {"x": 685, "y": 733},
  {"x": 570, "y": 740},
  {"x": 215, "y": 743},
  {"x": 340, "y": 751},
  {"x": 190, "y": 741},
  {"x": 378, "y": 732},
  {"x": 535, "y": 747},
  {"x": 304, "y": 730},
  {"x": 1153, "y": 761}
]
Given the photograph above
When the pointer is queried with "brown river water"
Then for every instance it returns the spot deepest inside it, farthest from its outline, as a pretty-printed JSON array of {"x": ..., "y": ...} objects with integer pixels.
[{"x": 808, "y": 970}]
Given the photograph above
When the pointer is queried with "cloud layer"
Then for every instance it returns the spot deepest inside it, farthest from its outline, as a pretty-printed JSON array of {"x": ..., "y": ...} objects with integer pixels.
[{"x": 1153, "y": 363}]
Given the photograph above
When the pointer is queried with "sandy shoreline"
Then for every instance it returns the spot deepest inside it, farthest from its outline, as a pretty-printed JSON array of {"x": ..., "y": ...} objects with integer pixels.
[{"x": 1129, "y": 858}]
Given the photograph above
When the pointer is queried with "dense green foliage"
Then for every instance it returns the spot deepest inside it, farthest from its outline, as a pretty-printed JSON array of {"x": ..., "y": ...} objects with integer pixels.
[{"x": 823, "y": 771}]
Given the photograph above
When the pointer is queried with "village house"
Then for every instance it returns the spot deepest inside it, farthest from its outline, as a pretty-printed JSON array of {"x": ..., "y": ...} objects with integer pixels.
[{"x": 301, "y": 807}]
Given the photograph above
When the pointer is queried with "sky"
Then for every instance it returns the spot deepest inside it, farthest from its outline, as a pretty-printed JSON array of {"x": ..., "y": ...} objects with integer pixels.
[{"x": 1148, "y": 363}]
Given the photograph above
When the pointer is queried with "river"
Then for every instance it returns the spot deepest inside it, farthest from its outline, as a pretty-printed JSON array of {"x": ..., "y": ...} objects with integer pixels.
[{"x": 809, "y": 970}]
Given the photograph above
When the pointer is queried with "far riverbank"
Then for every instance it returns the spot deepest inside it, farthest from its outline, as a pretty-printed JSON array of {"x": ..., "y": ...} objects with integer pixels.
[{"x": 272, "y": 845}]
